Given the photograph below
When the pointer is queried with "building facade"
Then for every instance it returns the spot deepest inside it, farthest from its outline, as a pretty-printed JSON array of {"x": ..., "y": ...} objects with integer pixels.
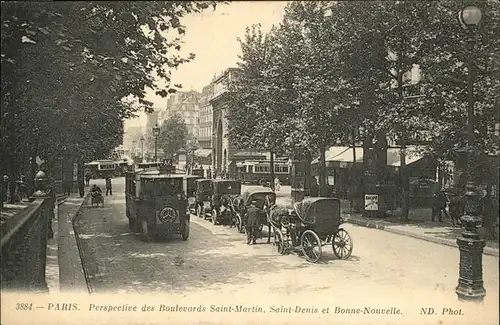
[
  {"x": 151, "y": 121},
  {"x": 185, "y": 104},
  {"x": 205, "y": 117},
  {"x": 222, "y": 150}
]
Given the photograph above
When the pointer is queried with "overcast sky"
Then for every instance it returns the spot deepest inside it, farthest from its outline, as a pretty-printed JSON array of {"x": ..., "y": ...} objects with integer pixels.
[{"x": 212, "y": 36}]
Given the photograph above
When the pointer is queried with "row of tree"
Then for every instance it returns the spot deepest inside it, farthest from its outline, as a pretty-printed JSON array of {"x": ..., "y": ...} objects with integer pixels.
[
  {"x": 67, "y": 67},
  {"x": 338, "y": 73}
]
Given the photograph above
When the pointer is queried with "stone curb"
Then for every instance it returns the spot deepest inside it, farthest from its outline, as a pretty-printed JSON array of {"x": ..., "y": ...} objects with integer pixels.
[
  {"x": 378, "y": 225},
  {"x": 83, "y": 258},
  {"x": 72, "y": 276},
  {"x": 61, "y": 199}
]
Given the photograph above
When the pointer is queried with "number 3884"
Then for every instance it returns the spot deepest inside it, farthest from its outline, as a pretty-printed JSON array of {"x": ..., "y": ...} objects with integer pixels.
[{"x": 24, "y": 306}]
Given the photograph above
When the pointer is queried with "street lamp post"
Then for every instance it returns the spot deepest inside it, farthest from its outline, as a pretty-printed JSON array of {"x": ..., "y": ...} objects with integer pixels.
[
  {"x": 156, "y": 133},
  {"x": 142, "y": 149},
  {"x": 470, "y": 282}
]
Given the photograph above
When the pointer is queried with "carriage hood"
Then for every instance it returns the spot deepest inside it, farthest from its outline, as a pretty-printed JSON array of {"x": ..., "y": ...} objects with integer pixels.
[
  {"x": 251, "y": 194},
  {"x": 311, "y": 210},
  {"x": 226, "y": 187},
  {"x": 204, "y": 185}
]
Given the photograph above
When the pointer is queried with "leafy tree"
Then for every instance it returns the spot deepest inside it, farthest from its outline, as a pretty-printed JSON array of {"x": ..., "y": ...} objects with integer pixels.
[
  {"x": 68, "y": 65},
  {"x": 259, "y": 114},
  {"x": 173, "y": 135}
]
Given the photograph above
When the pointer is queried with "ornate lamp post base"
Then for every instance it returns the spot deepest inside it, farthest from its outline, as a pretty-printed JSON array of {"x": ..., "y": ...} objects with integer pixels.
[{"x": 470, "y": 281}]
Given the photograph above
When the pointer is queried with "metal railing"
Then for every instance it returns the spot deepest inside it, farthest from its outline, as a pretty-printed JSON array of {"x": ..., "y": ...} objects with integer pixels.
[{"x": 24, "y": 248}]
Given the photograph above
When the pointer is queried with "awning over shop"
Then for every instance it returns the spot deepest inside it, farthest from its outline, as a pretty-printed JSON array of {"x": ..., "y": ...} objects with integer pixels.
[
  {"x": 342, "y": 156},
  {"x": 203, "y": 153}
]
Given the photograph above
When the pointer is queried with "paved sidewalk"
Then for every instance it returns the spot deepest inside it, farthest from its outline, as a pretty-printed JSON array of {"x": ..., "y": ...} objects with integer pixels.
[
  {"x": 420, "y": 225},
  {"x": 436, "y": 232},
  {"x": 64, "y": 267}
]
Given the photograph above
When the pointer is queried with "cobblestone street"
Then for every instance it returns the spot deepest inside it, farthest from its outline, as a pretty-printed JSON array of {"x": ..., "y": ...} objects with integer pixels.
[{"x": 217, "y": 259}]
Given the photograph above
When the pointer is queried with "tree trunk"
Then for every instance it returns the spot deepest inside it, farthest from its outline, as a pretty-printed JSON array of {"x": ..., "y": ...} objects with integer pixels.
[
  {"x": 308, "y": 178},
  {"x": 1, "y": 191},
  {"x": 404, "y": 177},
  {"x": 405, "y": 183},
  {"x": 487, "y": 213},
  {"x": 271, "y": 168},
  {"x": 440, "y": 173},
  {"x": 81, "y": 178},
  {"x": 33, "y": 171},
  {"x": 322, "y": 172},
  {"x": 13, "y": 177},
  {"x": 353, "y": 186}
]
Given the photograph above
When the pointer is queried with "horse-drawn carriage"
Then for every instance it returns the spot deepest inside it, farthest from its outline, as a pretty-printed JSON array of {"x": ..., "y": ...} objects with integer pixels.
[
  {"x": 310, "y": 225},
  {"x": 96, "y": 198},
  {"x": 225, "y": 193},
  {"x": 203, "y": 197},
  {"x": 190, "y": 184},
  {"x": 264, "y": 198}
]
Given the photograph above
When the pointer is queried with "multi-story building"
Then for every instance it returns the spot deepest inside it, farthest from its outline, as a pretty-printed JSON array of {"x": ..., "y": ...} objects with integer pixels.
[
  {"x": 185, "y": 104},
  {"x": 151, "y": 121},
  {"x": 222, "y": 150},
  {"x": 205, "y": 117}
]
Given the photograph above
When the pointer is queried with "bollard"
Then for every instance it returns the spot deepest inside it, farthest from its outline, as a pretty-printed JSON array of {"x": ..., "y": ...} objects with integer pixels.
[{"x": 470, "y": 282}]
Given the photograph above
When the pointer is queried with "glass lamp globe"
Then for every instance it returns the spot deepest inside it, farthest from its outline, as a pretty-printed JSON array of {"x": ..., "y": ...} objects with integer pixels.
[{"x": 156, "y": 130}]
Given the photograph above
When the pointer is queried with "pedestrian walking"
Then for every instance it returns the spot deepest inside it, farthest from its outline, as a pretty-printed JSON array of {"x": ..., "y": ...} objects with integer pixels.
[
  {"x": 88, "y": 176},
  {"x": 439, "y": 205},
  {"x": 67, "y": 187},
  {"x": 277, "y": 184},
  {"x": 109, "y": 187},
  {"x": 22, "y": 187},
  {"x": 252, "y": 222}
]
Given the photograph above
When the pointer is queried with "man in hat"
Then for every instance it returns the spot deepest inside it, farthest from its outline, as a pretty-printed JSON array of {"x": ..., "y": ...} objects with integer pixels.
[
  {"x": 252, "y": 223},
  {"x": 109, "y": 186}
]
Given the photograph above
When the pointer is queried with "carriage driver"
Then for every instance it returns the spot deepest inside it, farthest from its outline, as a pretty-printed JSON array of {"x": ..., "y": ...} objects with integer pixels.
[
  {"x": 254, "y": 214},
  {"x": 95, "y": 189}
]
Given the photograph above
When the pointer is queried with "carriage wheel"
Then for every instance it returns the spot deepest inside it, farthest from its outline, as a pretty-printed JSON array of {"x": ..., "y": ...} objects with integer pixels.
[
  {"x": 342, "y": 244},
  {"x": 239, "y": 224},
  {"x": 279, "y": 241},
  {"x": 311, "y": 246},
  {"x": 214, "y": 217}
]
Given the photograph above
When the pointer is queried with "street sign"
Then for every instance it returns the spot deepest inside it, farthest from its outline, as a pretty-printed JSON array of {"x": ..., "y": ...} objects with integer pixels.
[{"x": 371, "y": 202}]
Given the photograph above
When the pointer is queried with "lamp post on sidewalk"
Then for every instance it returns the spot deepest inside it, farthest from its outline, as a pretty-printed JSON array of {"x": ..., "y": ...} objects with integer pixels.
[
  {"x": 142, "y": 149},
  {"x": 156, "y": 133},
  {"x": 470, "y": 282}
]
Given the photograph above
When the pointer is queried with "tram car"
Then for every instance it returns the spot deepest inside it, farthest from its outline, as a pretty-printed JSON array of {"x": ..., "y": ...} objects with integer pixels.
[
  {"x": 258, "y": 172},
  {"x": 101, "y": 168}
]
